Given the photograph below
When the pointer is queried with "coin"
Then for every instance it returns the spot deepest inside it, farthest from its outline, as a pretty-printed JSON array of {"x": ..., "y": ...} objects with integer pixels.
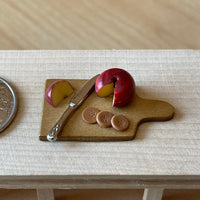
[{"x": 8, "y": 104}]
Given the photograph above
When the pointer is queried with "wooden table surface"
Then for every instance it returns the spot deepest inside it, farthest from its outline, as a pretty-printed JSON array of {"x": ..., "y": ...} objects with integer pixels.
[
  {"x": 105, "y": 24},
  {"x": 161, "y": 150},
  {"x": 112, "y": 24}
]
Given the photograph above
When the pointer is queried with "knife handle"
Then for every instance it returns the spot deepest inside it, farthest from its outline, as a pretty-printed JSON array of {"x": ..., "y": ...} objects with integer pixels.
[{"x": 59, "y": 125}]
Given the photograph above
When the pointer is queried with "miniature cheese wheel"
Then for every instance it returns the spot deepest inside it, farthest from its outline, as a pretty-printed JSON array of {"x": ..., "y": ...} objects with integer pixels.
[
  {"x": 104, "y": 119},
  {"x": 89, "y": 115},
  {"x": 119, "y": 122}
]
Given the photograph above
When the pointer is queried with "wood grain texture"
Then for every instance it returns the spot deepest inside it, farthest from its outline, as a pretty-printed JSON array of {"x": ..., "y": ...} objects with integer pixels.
[
  {"x": 45, "y": 194},
  {"x": 106, "y": 24},
  {"x": 138, "y": 111},
  {"x": 94, "y": 194},
  {"x": 172, "y": 149},
  {"x": 152, "y": 193},
  {"x": 100, "y": 182}
]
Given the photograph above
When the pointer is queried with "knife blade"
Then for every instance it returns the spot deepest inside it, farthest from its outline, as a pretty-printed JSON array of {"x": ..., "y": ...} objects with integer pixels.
[{"x": 74, "y": 103}]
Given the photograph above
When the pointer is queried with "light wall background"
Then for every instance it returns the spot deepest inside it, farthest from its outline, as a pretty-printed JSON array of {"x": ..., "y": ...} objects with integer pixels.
[{"x": 99, "y": 24}]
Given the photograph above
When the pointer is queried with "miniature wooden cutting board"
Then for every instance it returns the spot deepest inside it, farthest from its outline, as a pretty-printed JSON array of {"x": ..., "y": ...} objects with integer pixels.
[{"x": 138, "y": 111}]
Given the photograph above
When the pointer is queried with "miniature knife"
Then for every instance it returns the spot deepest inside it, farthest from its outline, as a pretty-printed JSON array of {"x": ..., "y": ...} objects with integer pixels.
[{"x": 74, "y": 103}]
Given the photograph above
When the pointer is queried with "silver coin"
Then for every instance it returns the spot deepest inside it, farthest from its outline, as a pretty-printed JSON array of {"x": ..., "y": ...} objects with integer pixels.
[{"x": 8, "y": 104}]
